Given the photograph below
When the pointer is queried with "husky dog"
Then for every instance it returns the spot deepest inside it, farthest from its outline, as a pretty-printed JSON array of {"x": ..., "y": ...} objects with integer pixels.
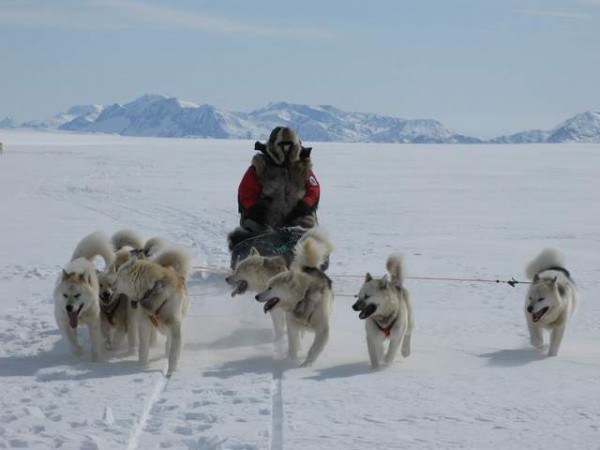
[
  {"x": 305, "y": 293},
  {"x": 76, "y": 293},
  {"x": 255, "y": 271},
  {"x": 157, "y": 286},
  {"x": 387, "y": 308},
  {"x": 116, "y": 317},
  {"x": 551, "y": 298}
]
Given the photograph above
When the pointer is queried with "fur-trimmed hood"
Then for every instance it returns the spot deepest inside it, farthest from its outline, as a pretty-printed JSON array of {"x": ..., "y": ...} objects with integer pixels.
[{"x": 283, "y": 147}]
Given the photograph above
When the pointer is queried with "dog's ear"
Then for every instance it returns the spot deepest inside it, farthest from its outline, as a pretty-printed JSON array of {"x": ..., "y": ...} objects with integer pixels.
[
  {"x": 65, "y": 275},
  {"x": 384, "y": 283},
  {"x": 553, "y": 280},
  {"x": 254, "y": 252},
  {"x": 85, "y": 277},
  {"x": 536, "y": 278},
  {"x": 368, "y": 277}
]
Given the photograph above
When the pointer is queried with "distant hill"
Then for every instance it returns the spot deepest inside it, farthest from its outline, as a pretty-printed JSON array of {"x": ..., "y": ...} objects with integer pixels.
[
  {"x": 160, "y": 116},
  {"x": 584, "y": 127}
]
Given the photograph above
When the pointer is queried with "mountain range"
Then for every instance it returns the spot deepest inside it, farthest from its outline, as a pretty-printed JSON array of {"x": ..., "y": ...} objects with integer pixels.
[{"x": 160, "y": 116}]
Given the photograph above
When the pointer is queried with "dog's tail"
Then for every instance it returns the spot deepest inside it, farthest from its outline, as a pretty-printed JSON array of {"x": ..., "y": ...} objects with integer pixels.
[
  {"x": 95, "y": 244},
  {"x": 395, "y": 267},
  {"x": 319, "y": 235},
  {"x": 177, "y": 258},
  {"x": 311, "y": 253},
  {"x": 549, "y": 258},
  {"x": 127, "y": 238},
  {"x": 153, "y": 246}
]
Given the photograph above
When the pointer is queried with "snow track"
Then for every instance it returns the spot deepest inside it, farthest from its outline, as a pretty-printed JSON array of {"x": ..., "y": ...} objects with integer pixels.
[
  {"x": 277, "y": 414},
  {"x": 137, "y": 431}
]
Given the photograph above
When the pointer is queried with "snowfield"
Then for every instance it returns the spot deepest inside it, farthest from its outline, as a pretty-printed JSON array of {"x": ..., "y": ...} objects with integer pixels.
[{"x": 472, "y": 381}]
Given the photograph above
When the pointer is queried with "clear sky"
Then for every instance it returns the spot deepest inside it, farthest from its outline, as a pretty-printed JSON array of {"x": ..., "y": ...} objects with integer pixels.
[{"x": 481, "y": 67}]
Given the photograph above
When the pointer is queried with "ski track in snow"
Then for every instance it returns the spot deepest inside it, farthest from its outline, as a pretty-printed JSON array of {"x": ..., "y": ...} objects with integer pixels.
[{"x": 471, "y": 381}]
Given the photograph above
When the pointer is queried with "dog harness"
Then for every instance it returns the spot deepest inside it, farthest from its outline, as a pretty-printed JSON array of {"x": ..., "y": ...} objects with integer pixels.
[
  {"x": 111, "y": 314},
  {"x": 386, "y": 330},
  {"x": 154, "y": 317}
]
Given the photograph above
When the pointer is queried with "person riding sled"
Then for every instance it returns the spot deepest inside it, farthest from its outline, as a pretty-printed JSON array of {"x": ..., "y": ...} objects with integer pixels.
[{"x": 278, "y": 192}]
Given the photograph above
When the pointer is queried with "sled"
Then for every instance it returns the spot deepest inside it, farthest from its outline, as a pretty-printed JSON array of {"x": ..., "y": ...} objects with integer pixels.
[{"x": 274, "y": 243}]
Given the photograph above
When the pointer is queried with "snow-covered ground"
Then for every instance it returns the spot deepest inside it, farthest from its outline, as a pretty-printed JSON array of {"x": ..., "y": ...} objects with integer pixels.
[{"x": 454, "y": 211}]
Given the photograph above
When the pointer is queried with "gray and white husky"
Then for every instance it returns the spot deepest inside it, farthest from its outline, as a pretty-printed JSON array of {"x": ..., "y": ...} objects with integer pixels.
[
  {"x": 386, "y": 307},
  {"x": 76, "y": 293},
  {"x": 551, "y": 299},
  {"x": 305, "y": 294},
  {"x": 116, "y": 316}
]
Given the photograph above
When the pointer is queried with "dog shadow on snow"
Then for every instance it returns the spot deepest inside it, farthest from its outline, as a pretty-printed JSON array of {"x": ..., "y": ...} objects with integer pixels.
[
  {"x": 513, "y": 357},
  {"x": 267, "y": 365},
  {"x": 58, "y": 364}
]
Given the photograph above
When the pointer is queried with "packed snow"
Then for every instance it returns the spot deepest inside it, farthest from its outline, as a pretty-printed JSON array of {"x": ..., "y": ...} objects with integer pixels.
[{"x": 471, "y": 382}]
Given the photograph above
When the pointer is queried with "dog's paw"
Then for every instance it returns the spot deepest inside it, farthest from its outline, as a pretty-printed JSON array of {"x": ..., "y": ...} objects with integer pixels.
[
  {"x": 537, "y": 343},
  {"x": 306, "y": 363}
]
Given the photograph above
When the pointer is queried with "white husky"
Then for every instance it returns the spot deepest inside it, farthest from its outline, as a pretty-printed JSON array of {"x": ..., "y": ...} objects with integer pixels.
[
  {"x": 305, "y": 294},
  {"x": 157, "y": 286},
  {"x": 551, "y": 298},
  {"x": 386, "y": 305},
  {"x": 76, "y": 293},
  {"x": 254, "y": 273}
]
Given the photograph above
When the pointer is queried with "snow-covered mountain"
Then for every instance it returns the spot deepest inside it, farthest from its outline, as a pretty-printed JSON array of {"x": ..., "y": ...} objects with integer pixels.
[
  {"x": 584, "y": 127},
  {"x": 8, "y": 122},
  {"x": 80, "y": 113},
  {"x": 160, "y": 116}
]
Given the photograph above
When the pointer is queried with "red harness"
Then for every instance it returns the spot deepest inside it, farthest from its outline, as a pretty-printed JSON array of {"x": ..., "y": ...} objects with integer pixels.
[
  {"x": 387, "y": 330},
  {"x": 154, "y": 317}
]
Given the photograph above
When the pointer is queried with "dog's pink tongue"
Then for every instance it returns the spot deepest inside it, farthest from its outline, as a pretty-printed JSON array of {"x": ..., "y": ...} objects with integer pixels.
[{"x": 73, "y": 318}]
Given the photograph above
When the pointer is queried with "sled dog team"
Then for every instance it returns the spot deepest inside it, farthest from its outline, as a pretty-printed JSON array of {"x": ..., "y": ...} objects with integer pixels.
[{"x": 142, "y": 290}]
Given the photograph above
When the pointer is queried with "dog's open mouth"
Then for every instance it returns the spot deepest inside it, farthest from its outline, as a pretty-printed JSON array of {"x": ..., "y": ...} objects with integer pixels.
[
  {"x": 240, "y": 288},
  {"x": 270, "y": 304},
  {"x": 367, "y": 311},
  {"x": 74, "y": 317},
  {"x": 538, "y": 315}
]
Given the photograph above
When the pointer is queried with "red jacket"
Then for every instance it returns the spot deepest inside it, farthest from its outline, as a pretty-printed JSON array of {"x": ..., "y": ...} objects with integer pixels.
[{"x": 250, "y": 189}]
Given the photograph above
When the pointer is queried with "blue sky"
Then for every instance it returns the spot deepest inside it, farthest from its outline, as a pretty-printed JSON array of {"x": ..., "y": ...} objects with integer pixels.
[{"x": 484, "y": 67}]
